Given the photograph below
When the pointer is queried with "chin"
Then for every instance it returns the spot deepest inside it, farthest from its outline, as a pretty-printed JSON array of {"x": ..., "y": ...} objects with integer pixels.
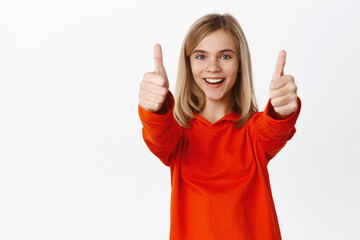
[{"x": 214, "y": 97}]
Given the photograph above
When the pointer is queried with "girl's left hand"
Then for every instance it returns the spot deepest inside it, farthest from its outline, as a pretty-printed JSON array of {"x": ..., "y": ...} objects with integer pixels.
[{"x": 283, "y": 89}]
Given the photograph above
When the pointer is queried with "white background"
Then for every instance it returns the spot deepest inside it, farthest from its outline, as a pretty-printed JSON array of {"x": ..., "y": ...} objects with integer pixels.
[{"x": 73, "y": 164}]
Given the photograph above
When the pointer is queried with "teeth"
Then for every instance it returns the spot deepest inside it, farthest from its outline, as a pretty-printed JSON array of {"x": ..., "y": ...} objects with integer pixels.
[{"x": 214, "y": 80}]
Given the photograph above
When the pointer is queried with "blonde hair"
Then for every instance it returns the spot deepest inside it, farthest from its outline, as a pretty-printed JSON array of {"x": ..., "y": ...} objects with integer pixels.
[{"x": 189, "y": 97}]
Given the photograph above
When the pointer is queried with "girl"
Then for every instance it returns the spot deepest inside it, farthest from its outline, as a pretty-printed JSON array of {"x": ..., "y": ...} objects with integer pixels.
[{"x": 212, "y": 137}]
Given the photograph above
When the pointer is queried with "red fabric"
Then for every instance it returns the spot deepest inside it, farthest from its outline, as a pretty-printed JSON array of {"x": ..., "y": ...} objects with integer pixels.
[{"x": 219, "y": 178}]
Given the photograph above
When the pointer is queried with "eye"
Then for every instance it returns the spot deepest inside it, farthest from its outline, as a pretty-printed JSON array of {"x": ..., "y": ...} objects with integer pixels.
[
  {"x": 200, "y": 57},
  {"x": 225, "y": 57}
]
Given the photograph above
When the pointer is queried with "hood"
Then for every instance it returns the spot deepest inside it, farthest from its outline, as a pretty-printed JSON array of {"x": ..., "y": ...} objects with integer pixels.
[{"x": 228, "y": 119}]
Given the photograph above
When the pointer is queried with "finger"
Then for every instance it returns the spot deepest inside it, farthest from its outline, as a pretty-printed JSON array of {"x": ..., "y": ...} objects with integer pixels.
[
  {"x": 280, "y": 65},
  {"x": 282, "y": 101},
  {"x": 287, "y": 109},
  {"x": 282, "y": 86},
  {"x": 159, "y": 67},
  {"x": 155, "y": 98},
  {"x": 161, "y": 91},
  {"x": 148, "y": 87},
  {"x": 149, "y": 105},
  {"x": 278, "y": 92},
  {"x": 281, "y": 82},
  {"x": 156, "y": 79}
]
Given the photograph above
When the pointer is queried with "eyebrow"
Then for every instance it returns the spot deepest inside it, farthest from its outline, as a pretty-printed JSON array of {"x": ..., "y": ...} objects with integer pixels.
[{"x": 202, "y": 51}]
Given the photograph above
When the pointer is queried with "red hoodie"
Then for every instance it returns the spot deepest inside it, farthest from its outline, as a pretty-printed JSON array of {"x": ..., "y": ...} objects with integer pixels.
[{"x": 220, "y": 185}]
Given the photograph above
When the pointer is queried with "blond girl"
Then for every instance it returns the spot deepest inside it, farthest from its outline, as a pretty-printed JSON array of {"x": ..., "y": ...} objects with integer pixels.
[{"x": 212, "y": 136}]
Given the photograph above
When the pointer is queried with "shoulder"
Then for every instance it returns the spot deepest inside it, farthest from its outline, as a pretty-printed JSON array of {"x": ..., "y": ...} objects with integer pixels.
[{"x": 255, "y": 119}]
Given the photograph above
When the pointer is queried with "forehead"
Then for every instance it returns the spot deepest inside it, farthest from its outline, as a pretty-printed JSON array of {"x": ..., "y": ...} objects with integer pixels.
[{"x": 216, "y": 41}]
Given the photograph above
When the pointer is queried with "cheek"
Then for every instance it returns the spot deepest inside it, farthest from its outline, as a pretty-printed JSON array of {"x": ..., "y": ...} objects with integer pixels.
[
  {"x": 196, "y": 72},
  {"x": 232, "y": 69},
  {"x": 197, "y": 68}
]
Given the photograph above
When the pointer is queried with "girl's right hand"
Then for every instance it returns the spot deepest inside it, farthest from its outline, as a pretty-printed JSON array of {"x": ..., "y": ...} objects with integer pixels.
[{"x": 155, "y": 85}]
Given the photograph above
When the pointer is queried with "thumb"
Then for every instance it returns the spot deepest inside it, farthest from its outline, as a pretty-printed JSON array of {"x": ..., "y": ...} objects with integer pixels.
[
  {"x": 159, "y": 67},
  {"x": 280, "y": 64}
]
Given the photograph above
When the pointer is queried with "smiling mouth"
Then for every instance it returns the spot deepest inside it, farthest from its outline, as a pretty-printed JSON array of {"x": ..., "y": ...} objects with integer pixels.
[{"x": 214, "y": 80}]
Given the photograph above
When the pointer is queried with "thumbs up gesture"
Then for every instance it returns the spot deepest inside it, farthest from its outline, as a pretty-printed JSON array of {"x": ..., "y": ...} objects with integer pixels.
[
  {"x": 155, "y": 85},
  {"x": 283, "y": 89}
]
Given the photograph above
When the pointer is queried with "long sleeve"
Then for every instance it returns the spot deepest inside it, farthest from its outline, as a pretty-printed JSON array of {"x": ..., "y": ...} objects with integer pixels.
[
  {"x": 161, "y": 132},
  {"x": 274, "y": 133}
]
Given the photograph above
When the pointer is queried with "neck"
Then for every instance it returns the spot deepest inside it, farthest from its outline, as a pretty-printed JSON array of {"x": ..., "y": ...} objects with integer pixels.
[{"x": 215, "y": 110}]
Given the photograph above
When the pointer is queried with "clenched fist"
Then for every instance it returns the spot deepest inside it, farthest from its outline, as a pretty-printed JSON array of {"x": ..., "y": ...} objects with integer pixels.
[
  {"x": 154, "y": 86},
  {"x": 283, "y": 89}
]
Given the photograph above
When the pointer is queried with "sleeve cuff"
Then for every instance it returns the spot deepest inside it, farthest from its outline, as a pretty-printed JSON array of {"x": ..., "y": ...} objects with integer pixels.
[{"x": 271, "y": 115}]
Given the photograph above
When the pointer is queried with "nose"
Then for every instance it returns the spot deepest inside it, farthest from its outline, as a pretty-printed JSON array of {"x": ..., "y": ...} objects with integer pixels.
[{"x": 213, "y": 65}]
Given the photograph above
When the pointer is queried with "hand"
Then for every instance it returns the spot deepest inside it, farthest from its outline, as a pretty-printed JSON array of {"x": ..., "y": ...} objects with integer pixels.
[
  {"x": 283, "y": 89},
  {"x": 155, "y": 85}
]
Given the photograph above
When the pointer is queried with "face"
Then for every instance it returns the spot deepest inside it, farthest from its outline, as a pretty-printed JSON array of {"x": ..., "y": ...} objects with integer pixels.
[{"x": 215, "y": 65}]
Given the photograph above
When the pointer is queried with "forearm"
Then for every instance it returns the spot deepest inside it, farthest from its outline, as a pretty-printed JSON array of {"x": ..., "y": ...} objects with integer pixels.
[
  {"x": 275, "y": 130},
  {"x": 161, "y": 132}
]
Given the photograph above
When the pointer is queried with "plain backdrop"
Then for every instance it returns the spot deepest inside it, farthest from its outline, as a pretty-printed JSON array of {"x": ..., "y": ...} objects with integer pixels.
[{"x": 73, "y": 164}]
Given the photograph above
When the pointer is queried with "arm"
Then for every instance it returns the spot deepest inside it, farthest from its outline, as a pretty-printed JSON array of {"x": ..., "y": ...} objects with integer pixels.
[
  {"x": 160, "y": 131},
  {"x": 274, "y": 130},
  {"x": 277, "y": 123}
]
